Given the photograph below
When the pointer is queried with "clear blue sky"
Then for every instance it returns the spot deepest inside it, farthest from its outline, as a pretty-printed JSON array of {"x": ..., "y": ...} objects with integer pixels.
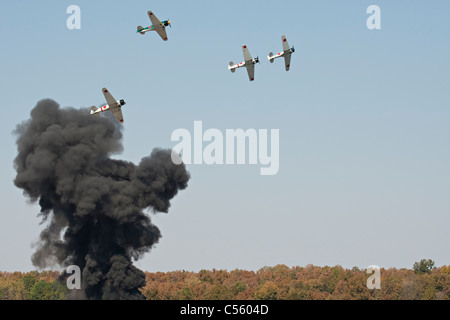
[{"x": 363, "y": 117}]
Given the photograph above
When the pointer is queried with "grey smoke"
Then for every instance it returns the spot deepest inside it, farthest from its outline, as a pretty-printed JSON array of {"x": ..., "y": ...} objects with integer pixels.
[{"x": 93, "y": 206}]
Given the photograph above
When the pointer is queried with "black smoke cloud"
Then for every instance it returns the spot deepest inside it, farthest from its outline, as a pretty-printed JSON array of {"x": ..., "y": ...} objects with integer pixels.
[{"x": 92, "y": 205}]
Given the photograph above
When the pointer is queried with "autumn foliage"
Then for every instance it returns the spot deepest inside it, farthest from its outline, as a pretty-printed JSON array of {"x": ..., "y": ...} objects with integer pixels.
[{"x": 269, "y": 283}]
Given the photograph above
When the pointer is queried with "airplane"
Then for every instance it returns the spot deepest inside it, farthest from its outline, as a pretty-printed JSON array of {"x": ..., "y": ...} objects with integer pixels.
[
  {"x": 249, "y": 63},
  {"x": 113, "y": 105},
  {"x": 286, "y": 53},
  {"x": 158, "y": 26}
]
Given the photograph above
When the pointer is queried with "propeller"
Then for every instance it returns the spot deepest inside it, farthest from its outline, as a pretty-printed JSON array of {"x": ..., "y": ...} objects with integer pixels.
[
  {"x": 293, "y": 50},
  {"x": 257, "y": 59}
]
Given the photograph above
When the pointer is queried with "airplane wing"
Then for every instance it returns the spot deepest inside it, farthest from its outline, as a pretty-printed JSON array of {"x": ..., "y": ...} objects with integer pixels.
[
  {"x": 117, "y": 112},
  {"x": 159, "y": 27},
  {"x": 109, "y": 98},
  {"x": 287, "y": 61},
  {"x": 162, "y": 33},
  {"x": 285, "y": 43},
  {"x": 250, "y": 71},
  {"x": 247, "y": 55}
]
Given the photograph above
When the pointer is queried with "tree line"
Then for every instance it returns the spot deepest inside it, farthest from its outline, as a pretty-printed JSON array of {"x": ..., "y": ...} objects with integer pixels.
[{"x": 423, "y": 282}]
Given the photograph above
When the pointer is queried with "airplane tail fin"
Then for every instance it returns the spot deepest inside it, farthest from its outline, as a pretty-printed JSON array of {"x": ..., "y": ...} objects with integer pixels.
[
  {"x": 139, "y": 29},
  {"x": 230, "y": 66},
  {"x": 93, "y": 111},
  {"x": 270, "y": 57}
]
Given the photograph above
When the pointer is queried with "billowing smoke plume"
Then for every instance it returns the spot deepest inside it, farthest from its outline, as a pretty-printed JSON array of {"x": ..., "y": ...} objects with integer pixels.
[{"x": 93, "y": 205}]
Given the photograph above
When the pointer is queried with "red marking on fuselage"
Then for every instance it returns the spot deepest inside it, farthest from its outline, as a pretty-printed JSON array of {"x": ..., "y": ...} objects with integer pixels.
[
  {"x": 245, "y": 47},
  {"x": 284, "y": 40}
]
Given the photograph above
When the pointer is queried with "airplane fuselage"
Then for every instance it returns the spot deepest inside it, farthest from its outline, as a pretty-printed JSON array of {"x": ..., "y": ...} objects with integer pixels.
[
  {"x": 165, "y": 23},
  {"x": 240, "y": 65},
  {"x": 243, "y": 64},
  {"x": 281, "y": 54},
  {"x": 101, "y": 109},
  {"x": 118, "y": 104},
  {"x": 147, "y": 29}
]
